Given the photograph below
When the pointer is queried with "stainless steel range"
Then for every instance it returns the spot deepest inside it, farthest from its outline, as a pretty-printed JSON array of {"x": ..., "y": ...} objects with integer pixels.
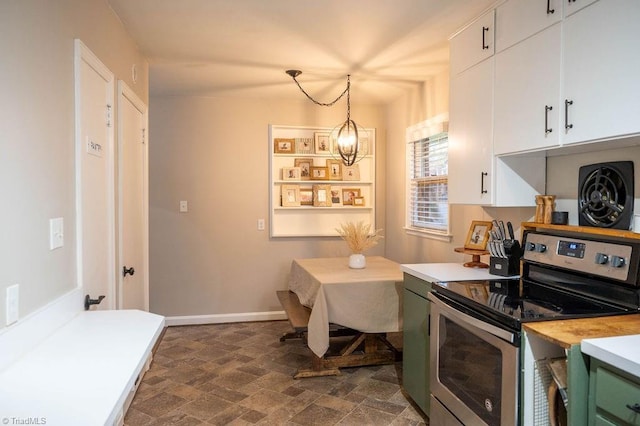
[{"x": 476, "y": 325}]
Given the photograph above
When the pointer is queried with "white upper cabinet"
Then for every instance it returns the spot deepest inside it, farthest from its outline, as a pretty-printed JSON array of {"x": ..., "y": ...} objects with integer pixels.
[
  {"x": 527, "y": 94},
  {"x": 572, "y": 6},
  {"x": 601, "y": 98},
  {"x": 518, "y": 19},
  {"x": 470, "y": 135},
  {"x": 473, "y": 44}
]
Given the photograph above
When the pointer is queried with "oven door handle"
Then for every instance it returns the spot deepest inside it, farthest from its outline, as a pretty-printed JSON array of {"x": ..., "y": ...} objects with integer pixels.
[{"x": 468, "y": 319}]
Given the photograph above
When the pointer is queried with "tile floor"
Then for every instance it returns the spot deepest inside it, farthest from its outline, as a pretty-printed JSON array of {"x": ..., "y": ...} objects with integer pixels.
[{"x": 241, "y": 374}]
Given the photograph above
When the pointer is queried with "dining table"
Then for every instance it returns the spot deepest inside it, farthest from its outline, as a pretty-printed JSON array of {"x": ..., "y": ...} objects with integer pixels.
[{"x": 367, "y": 301}]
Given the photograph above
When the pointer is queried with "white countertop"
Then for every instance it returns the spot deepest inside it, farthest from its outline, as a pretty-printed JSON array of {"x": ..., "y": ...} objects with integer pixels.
[
  {"x": 433, "y": 272},
  {"x": 620, "y": 352}
]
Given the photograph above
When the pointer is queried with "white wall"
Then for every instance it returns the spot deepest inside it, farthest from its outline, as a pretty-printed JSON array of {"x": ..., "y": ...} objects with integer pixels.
[{"x": 37, "y": 134}]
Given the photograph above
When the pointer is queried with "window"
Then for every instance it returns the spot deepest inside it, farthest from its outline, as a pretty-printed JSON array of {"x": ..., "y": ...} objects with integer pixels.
[{"x": 427, "y": 188}]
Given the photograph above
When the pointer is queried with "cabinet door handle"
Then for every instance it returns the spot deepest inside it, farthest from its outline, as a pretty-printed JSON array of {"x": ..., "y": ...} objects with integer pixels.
[
  {"x": 482, "y": 175},
  {"x": 547, "y": 130},
  {"x": 549, "y": 10},
  {"x": 484, "y": 43},
  {"x": 635, "y": 408},
  {"x": 567, "y": 126}
]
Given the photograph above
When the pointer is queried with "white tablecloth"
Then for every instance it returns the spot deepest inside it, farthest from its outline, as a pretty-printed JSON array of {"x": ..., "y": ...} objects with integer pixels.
[{"x": 367, "y": 300}]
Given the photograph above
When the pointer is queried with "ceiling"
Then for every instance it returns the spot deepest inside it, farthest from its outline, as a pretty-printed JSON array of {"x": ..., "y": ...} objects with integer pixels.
[{"x": 243, "y": 47}]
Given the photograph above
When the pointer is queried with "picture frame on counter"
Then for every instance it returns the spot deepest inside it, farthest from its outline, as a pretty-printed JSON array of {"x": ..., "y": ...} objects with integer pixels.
[
  {"x": 290, "y": 195},
  {"x": 291, "y": 173},
  {"x": 322, "y": 195},
  {"x": 284, "y": 145},
  {"x": 478, "y": 235}
]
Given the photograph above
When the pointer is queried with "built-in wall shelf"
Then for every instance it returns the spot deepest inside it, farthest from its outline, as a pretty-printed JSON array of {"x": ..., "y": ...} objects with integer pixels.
[{"x": 311, "y": 191}]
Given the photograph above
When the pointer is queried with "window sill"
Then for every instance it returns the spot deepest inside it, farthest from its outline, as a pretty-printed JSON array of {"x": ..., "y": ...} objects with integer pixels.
[{"x": 432, "y": 235}]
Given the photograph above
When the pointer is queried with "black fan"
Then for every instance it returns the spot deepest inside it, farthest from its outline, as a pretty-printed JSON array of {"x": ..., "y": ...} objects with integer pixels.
[{"x": 605, "y": 196}]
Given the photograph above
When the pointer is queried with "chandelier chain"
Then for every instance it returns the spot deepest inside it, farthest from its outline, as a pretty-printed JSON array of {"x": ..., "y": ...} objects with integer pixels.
[{"x": 328, "y": 104}]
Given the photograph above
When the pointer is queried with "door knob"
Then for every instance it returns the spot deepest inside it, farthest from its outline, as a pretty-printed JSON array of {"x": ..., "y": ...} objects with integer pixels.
[{"x": 129, "y": 271}]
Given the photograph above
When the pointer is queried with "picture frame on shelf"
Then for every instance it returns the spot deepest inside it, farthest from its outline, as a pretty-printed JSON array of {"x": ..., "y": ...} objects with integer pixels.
[
  {"x": 348, "y": 194},
  {"x": 336, "y": 196},
  {"x": 304, "y": 146},
  {"x": 290, "y": 195},
  {"x": 335, "y": 169},
  {"x": 322, "y": 142},
  {"x": 291, "y": 173},
  {"x": 319, "y": 173},
  {"x": 305, "y": 165},
  {"x": 478, "y": 235},
  {"x": 322, "y": 195},
  {"x": 306, "y": 196},
  {"x": 351, "y": 172},
  {"x": 358, "y": 201},
  {"x": 284, "y": 145}
]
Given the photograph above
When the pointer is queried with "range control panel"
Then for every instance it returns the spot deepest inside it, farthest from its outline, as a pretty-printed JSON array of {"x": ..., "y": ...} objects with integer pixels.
[{"x": 594, "y": 257}]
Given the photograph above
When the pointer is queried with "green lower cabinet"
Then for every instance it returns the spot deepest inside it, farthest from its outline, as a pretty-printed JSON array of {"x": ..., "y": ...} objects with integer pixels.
[
  {"x": 415, "y": 351},
  {"x": 614, "y": 396}
]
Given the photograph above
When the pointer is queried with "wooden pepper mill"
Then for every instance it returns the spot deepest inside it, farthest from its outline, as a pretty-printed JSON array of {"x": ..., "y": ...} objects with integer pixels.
[{"x": 549, "y": 202}]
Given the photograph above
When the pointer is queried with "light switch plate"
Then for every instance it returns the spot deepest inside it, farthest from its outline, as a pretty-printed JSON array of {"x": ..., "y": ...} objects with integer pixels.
[
  {"x": 12, "y": 300},
  {"x": 56, "y": 233},
  {"x": 184, "y": 206}
]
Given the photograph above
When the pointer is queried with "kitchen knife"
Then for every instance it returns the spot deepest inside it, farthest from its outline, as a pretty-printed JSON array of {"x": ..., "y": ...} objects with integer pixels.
[
  {"x": 497, "y": 228},
  {"x": 510, "y": 228},
  {"x": 502, "y": 230}
]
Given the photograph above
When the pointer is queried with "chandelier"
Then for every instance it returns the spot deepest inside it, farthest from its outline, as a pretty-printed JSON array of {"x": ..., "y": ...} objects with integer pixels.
[{"x": 346, "y": 133}]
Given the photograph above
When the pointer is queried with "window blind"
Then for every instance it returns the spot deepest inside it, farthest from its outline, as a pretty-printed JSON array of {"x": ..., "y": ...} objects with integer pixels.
[{"x": 428, "y": 189}]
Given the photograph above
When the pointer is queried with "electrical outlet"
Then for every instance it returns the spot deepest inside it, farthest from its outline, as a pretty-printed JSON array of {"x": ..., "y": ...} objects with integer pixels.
[
  {"x": 12, "y": 299},
  {"x": 184, "y": 206},
  {"x": 260, "y": 224}
]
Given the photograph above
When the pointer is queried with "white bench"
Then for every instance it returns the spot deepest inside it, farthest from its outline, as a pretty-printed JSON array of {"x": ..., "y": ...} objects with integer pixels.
[{"x": 85, "y": 373}]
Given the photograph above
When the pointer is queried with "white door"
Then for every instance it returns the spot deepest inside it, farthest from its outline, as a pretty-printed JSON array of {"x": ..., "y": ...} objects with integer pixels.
[
  {"x": 95, "y": 206},
  {"x": 133, "y": 284}
]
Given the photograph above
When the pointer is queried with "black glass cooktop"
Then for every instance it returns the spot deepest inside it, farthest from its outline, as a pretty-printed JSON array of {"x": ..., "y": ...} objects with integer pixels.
[{"x": 507, "y": 300}]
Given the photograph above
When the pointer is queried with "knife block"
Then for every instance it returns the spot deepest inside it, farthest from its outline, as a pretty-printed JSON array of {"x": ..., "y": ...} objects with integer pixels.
[{"x": 504, "y": 266}]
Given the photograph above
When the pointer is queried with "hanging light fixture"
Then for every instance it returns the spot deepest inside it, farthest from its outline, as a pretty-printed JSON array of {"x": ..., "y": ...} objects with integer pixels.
[{"x": 345, "y": 134}]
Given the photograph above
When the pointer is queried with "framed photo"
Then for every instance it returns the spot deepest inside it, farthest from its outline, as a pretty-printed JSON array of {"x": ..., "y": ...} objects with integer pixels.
[
  {"x": 306, "y": 196},
  {"x": 291, "y": 173},
  {"x": 336, "y": 196},
  {"x": 304, "y": 146},
  {"x": 290, "y": 195},
  {"x": 335, "y": 169},
  {"x": 351, "y": 172},
  {"x": 322, "y": 195},
  {"x": 478, "y": 235},
  {"x": 319, "y": 173},
  {"x": 284, "y": 145},
  {"x": 305, "y": 165},
  {"x": 358, "y": 201},
  {"x": 322, "y": 142},
  {"x": 477, "y": 292},
  {"x": 348, "y": 194},
  {"x": 363, "y": 144}
]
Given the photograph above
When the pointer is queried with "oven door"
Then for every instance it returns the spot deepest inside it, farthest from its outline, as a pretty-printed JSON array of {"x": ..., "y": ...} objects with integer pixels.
[{"x": 474, "y": 373}]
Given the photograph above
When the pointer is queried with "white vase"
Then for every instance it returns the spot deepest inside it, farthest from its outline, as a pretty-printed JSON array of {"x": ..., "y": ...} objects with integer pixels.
[{"x": 357, "y": 261}]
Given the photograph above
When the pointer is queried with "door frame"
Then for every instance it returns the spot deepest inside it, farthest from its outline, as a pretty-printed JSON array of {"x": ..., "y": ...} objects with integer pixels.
[
  {"x": 82, "y": 54},
  {"x": 126, "y": 94}
]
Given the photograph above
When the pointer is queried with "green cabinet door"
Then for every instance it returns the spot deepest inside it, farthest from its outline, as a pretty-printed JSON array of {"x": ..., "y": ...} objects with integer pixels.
[{"x": 415, "y": 351}]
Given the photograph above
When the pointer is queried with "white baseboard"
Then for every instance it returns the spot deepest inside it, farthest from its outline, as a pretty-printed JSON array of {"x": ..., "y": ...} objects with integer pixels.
[
  {"x": 19, "y": 338},
  {"x": 225, "y": 318}
]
